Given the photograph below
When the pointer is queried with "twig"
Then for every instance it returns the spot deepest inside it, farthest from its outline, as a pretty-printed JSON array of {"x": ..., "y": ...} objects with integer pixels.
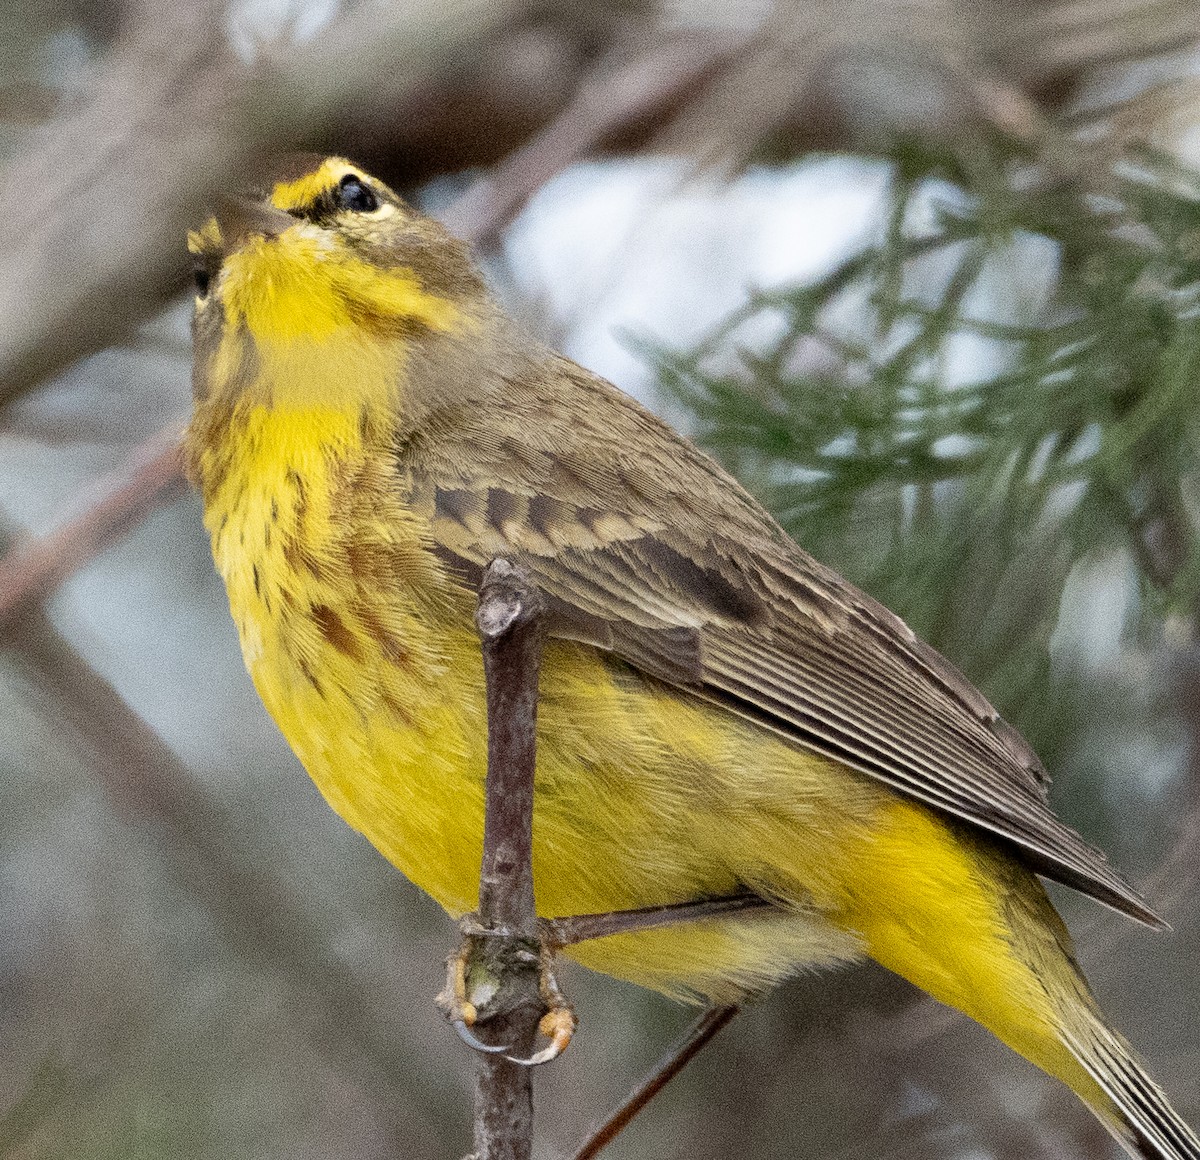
[
  {"x": 34, "y": 567},
  {"x": 503, "y": 957},
  {"x": 694, "y": 1040},
  {"x": 565, "y": 932},
  {"x": 511, "y": 627}
]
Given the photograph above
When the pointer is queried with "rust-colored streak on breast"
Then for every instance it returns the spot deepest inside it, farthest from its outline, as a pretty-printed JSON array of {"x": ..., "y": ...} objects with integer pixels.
[
  {"x": 298, "y": 556},
  {"x": 335, "y": 631},
  {"x": 391, "y": 648},
  {"x": 369, "y": 564},
  {"x": 310, "y": 676}
]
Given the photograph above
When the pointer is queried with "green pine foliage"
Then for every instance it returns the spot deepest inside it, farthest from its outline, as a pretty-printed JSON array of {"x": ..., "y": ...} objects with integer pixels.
[{"x": 996, "y": 395}]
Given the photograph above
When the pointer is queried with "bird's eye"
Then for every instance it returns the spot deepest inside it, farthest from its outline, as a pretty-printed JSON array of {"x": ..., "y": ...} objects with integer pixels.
[
  {"x": 202, "y": 276},
  {"x": 354, "y": 195}
]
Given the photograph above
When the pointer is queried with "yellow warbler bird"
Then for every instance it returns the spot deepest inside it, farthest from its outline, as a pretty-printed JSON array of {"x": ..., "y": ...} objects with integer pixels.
[{"x": 719, "y": 712}]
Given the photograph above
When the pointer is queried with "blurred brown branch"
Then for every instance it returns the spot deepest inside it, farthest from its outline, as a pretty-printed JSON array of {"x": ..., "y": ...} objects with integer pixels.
[
  {"x": 34, "y": 567},
  {"x": 1089, "y": 34},
  {"x": 253, "y": 911},
  {"x": 622, "y": 95},
  {"x": 838, "y": 74}
]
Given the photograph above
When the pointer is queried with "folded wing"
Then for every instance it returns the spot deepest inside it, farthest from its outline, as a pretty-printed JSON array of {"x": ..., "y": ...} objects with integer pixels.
[{"x": 645, "y": 548}]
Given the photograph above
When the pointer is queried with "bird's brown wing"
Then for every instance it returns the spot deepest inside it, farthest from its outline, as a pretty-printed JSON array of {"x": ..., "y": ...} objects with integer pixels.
[{"x": 649, "y": 550}]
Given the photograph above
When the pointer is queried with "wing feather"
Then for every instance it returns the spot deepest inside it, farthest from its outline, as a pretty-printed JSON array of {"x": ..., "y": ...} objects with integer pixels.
[{"x": 665, "y": 562}]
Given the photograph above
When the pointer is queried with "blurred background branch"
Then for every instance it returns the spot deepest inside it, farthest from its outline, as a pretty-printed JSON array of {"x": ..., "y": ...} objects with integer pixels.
[{"x": 34, "y": 567}]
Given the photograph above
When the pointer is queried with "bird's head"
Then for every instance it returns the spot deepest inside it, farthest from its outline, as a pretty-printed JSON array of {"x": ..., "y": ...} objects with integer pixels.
[{"x": 327, "y": 278}]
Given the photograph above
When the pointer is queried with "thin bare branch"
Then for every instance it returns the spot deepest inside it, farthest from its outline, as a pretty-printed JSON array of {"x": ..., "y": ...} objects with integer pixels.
[
  {"x": 509, "y": 620},
  {"x": 695, "y": 1039},
  {"x": 565, "y": 932},
  {"x": 511, "y": 627}
]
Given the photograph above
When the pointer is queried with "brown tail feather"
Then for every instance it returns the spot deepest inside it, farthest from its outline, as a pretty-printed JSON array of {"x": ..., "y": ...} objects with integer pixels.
[{"x": 1140, "y": 1116}]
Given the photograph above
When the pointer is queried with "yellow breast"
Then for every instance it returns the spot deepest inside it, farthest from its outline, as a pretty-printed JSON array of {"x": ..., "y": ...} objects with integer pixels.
[
  {"x": 358, "y": 643},
  {"x": 362, "y": 648}
]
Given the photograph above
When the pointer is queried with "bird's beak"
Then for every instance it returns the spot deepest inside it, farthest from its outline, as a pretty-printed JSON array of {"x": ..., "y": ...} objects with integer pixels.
[{"x": 241, "y": 218}]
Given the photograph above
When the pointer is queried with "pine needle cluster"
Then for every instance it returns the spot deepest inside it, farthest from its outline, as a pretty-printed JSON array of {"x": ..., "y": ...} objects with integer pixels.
[{"x": 987, "y": 417}]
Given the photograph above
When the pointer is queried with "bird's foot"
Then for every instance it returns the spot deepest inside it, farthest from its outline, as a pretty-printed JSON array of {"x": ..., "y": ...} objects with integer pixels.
[
  {"x": 484, "y": 982},
  {"x": 558, "y": 1023}
]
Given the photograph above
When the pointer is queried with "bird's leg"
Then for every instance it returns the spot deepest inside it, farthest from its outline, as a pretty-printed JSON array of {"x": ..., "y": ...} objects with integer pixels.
[
  {"x": 475, "y": 991},
  {"x": 558, "y": 1023},
  {"x": 482, "y": 984}
]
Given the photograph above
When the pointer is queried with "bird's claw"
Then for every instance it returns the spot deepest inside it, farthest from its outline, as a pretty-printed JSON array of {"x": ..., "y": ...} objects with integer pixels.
[
  {"x": 472, "y": 1040},
  {"x": 458, "y": 1009},
  {"x": 461, "y": 1005},
  {"x": 558, "y": 1025}
]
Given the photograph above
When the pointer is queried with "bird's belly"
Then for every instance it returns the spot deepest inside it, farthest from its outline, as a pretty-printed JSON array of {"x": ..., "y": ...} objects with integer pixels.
[{"x": 642, "y": 798}]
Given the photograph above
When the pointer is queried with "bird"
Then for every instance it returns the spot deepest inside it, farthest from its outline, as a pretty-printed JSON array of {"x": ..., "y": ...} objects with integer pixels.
[{"x": 718, "y": 712}]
